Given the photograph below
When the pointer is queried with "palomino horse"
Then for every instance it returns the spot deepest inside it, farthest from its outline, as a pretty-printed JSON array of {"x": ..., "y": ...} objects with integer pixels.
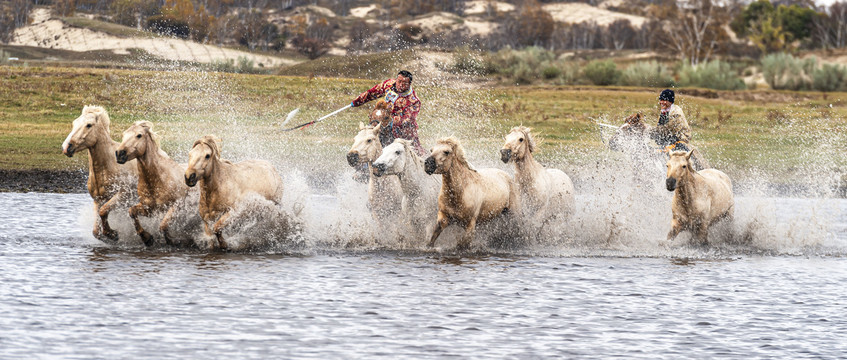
[
  {"x": 545, "y": 193},
  {"x": 468, "y": 196},
  {"x": 223, "y": 184},
  {"x": 160, "y": 178},
  {"x": 384, "y": 193},
  {"x": 419, "y": 189},
  {"x": 108, "y": 182},
  {"x": 700, "y": 198}
]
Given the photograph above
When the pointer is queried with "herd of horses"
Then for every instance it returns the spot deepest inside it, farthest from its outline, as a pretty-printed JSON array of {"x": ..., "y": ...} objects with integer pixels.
[{"x": 428, "y": 194}]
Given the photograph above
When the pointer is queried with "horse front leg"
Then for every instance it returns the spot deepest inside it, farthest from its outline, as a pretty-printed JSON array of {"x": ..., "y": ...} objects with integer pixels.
[
  {"x": 97, "y": 231},
  {"x": 676, "y": 227},
  {"x": 701, "y": 232},
  {"x": 440, "y": 224},
  {"x": 103, "y": 212},
  {"x": 165, "y": 224},
  {"x": 465, "y": 242},
  {"x": 218, "y": 230},
  {"x": 136, "y": 211}
]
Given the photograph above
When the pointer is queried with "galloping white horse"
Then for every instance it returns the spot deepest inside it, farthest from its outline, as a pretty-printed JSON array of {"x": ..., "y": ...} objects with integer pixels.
[
  {"x": 384, "y": 194},
  {"x": 223, "y": 184},
  {"x": 545, "y": 193},
  {"x": 160, "y": 178},
  {"x": 700, "y": 198},
  {"x": 109, "y": 183},
  {"x": 468, "y": 196},
  {"x": 419, "y": 189}
]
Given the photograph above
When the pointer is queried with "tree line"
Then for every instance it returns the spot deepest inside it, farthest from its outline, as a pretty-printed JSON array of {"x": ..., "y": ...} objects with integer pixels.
[{"x": 695, "y": 30}]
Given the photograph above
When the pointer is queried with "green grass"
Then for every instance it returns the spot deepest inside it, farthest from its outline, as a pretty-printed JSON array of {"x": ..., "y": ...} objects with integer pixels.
[{"x": 37, "y": 106}]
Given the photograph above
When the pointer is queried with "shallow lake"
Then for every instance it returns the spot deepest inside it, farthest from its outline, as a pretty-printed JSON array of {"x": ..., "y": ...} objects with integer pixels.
[{"x": 66, "y": 295}]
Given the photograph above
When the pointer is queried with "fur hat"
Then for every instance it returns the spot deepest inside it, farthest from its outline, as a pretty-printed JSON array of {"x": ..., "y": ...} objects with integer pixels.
[{"x": 667, "y": 94}]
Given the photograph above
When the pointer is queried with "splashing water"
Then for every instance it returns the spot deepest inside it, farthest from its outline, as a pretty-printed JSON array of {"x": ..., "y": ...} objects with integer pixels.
[{"x": 618, "y": 211}]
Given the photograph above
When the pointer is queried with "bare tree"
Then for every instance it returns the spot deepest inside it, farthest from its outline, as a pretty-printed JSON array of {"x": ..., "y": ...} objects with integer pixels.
[
  {"x": 696, "y": 32},
  {"x": 830, "y": 28}
]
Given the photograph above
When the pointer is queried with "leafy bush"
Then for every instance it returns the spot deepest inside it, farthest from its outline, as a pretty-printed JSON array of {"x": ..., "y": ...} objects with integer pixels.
[
  {"x": 783, "y": 71},
  {"x": 522, "y": 66},
  {"x": 645, "y": 73},
  {"x": 602, "y": 72},
  {"x": 551, "y": 72},
  {"x": 716, "y": 74},
  {"x": 830, "y": 77}
]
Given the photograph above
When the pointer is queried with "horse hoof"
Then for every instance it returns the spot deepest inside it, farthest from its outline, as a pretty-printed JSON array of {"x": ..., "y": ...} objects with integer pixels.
[
  {"x": 111, "y": 235},
  {"x": 147, "y": 238}
]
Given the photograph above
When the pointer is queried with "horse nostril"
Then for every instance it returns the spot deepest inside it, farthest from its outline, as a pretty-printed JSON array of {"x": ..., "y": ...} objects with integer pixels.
[
  {"x": 353, "y": 158},
  {"x": 191, "y": 180},
  {"x": 505, "y": 155},
  {"x": 120, "y": 156},
  {"x": 670, "y": 183},
  {"x": 429, "y": 165},
  {"x": 379, "y": 169}
]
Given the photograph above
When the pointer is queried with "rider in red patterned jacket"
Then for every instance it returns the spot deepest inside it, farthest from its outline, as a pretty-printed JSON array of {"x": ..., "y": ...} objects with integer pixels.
[{"x": 405, "y": 107}]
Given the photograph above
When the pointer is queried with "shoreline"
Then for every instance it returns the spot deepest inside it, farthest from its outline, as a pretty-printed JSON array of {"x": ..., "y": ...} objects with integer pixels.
[
  {"x": 74, "y": 182},
  {"x": 39, "y": 180}
]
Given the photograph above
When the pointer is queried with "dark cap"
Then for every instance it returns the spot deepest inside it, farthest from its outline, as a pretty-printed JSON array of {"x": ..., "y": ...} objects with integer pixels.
[
  {"x": 667, "y": 94},
  {"x": 406, "y": 74}
]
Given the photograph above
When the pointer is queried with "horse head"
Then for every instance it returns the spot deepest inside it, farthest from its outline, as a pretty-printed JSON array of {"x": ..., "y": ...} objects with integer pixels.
[
  {"x": 137, "y": 140},
  {"x": 395, "y": 158},
  {"x": 203, "y": 155},
  {"x": 680, "y": 169},
  {"x": 519, "y": 144},
  {"x": 629, "y": 134},
  {"x": 444, "y": 155},
  {"x": 88, "y": 129},
  {"x": 366, "y": 146},
  {"x": 381, "y": 113}
]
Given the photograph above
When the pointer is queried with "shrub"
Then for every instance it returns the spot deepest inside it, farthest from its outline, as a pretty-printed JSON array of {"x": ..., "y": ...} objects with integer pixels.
[
  {"x": 783, "y": 71},
  {"x": 602, "y": 72},
  {"x": 551, "y": 72},
  {"x": 830, "y": 77},
  {"x": 645, "y": 73},
  {"x": 522, "y": 66},
  {"x": 713, "y": 75}
]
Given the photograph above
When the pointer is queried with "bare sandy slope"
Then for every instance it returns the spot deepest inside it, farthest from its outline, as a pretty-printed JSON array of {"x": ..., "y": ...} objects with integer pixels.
[
  {"x": 55, "y": 34},
  {"x": 574, "y": 13},
  {"x": 480, "y": 7}
]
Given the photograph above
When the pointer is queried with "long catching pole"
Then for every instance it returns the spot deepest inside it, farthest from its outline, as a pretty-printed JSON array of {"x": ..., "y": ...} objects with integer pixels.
[{"x": 318, "y": 120}]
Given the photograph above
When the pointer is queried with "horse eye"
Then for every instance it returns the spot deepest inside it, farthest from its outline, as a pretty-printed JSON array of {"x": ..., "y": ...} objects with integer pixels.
[
  {"x": 88, "y": 126},
  {"x": 207, "y": 156},
  {"x": 398, "y": 152},
  {"x": 683, "y": 166},
  {"x": 370, "y": 140},
  {"x": 521, "y": 139},
  {"x": 446, "y": 153},
  {"x": 138, "y": 136}
]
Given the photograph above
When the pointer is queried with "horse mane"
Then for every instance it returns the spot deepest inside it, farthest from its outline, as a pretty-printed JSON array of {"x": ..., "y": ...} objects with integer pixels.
[
  {"x": 212, "y": 143},
  {"x": 458, "y": 150},
  {"x": 527, "y": 132},
  {"x": 99, "y": 113},
  {"x": 684, "y": 153},
  {"x": 381, "y": 104},
  {"x": 149, "y": 127},
  {"x": 407, "y": 146}
]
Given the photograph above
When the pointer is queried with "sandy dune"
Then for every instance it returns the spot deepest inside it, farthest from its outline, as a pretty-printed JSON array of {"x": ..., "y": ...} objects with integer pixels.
[
  {"x": 575, "y": 13},
  {"x": 479, "y": 7},
  {"x": 55, "y": 34}
]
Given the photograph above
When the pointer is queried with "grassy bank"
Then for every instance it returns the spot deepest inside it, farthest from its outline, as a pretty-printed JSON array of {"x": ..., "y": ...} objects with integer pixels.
[{"x": 782, "y": 134}]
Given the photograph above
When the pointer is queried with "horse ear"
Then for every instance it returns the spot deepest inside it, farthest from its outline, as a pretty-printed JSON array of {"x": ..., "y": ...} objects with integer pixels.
[
  {"x": 361, "y": 126},
  {"x": 377, "y": 127},
  {"x": 688, "y": 155}
]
